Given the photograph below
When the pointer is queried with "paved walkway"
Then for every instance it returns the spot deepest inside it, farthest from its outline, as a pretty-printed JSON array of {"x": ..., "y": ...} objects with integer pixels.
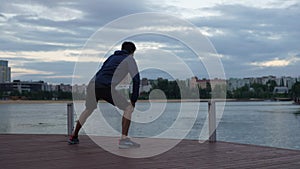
[{"x": 52, "y": 152}]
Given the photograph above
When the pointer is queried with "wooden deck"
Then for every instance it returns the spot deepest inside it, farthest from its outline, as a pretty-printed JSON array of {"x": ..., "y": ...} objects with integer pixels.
[{"x": 52, "y": 152}]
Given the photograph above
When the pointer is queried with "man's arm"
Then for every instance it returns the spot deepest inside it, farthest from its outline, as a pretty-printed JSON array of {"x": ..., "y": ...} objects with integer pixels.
[{"x": 134, "y": 73}]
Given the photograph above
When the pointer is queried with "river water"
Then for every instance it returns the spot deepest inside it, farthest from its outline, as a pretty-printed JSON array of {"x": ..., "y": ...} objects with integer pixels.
[{"x": 275, "y": 124}]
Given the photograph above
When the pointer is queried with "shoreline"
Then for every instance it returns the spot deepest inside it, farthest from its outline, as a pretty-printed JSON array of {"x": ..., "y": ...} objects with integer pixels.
[
  {"x": 34, "y": 101},
  {"x": 142, "y": 101}
]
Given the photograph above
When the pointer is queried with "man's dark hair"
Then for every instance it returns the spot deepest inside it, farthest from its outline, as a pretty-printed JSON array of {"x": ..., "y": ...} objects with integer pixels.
[{"x": 129, "y": 47}]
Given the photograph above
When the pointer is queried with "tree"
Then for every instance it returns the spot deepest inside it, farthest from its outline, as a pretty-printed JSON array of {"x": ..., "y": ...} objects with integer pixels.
[
  {"x": 219, "y": 91},
  {"x": 295, "y": 91},
  {"x": 242, "y": 92},
  {"x": 271, "y": 85}
]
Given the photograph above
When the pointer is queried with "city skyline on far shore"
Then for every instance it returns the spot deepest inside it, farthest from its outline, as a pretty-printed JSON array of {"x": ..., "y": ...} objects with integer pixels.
[{"x": 6, "y": 70}]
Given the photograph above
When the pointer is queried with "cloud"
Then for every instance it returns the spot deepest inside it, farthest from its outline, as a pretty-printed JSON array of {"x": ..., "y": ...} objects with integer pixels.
[
  {"x": 270, "y": 27},
  {"x": 19, "y": 72},
  {"x": 54, "y": 56},
  {"x": 38, "y": 11},
  {"x": 55, "y": 25},
  {"x": 30, "y": 71},
  {"x": 2, "y": 18},
  {"x": 62, "y": 77},
  {"x": 251, "y": 3},
  {"x": 43, "y": 35},
  {"x": 277, "y": 62},
  {"x": 253, "y": 34}
]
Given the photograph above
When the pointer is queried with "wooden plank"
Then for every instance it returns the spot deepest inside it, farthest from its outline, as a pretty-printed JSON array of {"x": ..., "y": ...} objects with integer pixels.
[{"x": 52, "y": 152}]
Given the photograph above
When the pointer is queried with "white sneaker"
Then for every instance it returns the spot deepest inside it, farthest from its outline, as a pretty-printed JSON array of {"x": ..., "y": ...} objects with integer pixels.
[{"x": 127, "y": 143}]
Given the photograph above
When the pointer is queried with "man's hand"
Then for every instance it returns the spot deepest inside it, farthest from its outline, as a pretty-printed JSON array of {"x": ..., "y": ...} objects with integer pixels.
[{"x": 133, "y": 104}]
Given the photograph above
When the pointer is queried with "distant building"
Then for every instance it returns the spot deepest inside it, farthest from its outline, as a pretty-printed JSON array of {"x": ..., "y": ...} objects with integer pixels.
[
  {"x": 194, "y": 82},
  {"x": 217, "y": 82},
  {"x": 5, "y": 72},
  {"x": 79, "y": 89},
  {"x": 203, "y": 83},
  {"x": 266, "y": 79},
  {"x": 234, "y": 83},
  {"x": 23, "y": 86},
  {"x": 288, "y": 82},
  {"x": 145, "y": 85},
  {"x": 51, "y": 88},
  {"x": 64, "y": 87},
  {"x": 125, "y": 83},
  {"x": 280, "y": 90}
]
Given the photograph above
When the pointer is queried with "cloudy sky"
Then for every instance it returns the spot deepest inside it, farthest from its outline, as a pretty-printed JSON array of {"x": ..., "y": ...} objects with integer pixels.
[{"x": 43, "y": 40}]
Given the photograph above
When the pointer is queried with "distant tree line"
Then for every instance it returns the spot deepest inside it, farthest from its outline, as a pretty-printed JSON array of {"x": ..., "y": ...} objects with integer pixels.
[
  {"x": 179, "y": 90},
  {"x": 263, "y": 91},
  {"x": 36, "y": 95},
  {"x": 174, "y": 89}
]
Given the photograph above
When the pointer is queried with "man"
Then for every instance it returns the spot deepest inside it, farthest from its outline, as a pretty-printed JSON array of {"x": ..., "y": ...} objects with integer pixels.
[{"x": 102, "y": 86}]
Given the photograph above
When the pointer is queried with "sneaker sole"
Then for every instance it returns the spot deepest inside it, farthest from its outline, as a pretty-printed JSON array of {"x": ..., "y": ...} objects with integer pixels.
[
  {"x": 72, "y": 143},
  {"x": 127, "y": 147}
]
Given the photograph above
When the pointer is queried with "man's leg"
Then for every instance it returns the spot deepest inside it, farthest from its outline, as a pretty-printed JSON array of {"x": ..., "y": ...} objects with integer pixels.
[
  {"x": 84, "y": 115},
  {"x": 126, "y": 142},
  {"x": 91, "y": 102},
  {"x": 117, "y": 99},
  {"x": 126, "y": 120}
]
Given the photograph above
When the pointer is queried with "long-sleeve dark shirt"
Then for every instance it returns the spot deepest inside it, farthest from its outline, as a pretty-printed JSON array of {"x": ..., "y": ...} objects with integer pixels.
[{"x": 114, "y": 70}]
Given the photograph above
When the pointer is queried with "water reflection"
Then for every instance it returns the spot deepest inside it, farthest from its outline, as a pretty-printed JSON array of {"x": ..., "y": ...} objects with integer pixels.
[
  {"x": 297, "y": 113},
  {"x": 5, "y": 124},
  {"x": 263, "y": 123}
]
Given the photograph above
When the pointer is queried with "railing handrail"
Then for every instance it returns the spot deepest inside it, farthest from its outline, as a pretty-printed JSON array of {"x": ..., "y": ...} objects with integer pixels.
[{"x": 211, "y": 119}]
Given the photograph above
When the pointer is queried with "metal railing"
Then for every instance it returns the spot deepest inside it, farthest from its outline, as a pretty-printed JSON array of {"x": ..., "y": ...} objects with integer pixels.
[
  {"x": 212, "y": 125},
  {"x": 211, "y": 120},
  {"x": 70, "y": 118}
]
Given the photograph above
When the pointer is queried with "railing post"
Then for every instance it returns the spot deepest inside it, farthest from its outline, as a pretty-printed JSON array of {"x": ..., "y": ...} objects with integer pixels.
[
  {"x": 212, "y": 121},
  {"x": 70, "y": 118}
]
